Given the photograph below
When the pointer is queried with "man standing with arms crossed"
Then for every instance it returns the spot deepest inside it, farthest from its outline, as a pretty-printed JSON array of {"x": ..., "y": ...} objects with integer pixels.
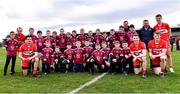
[{"x": 165, "y": 31}]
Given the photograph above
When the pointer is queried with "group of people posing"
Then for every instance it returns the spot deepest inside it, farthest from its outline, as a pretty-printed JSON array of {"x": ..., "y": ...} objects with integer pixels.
[{"x": 117, "y": 51}]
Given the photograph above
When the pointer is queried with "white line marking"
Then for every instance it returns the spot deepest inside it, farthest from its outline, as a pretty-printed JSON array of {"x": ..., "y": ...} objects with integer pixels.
[{"x": 87, "y": 84}]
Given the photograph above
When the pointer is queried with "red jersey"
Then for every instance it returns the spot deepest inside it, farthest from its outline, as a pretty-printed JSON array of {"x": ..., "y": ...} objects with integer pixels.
[
  {"x": 73, "y": 41},
  {"x": 62, "y": 40},
  {"x": 98, "y": 39},
  {"x": 68, "y": 54},
  {"x": 137, "y": 50},
  {"x": 157, "y": 48},
  {"x": 163, "y": 29},
  {"x": 98, "y": 55},
  {"x": 106, "y": 52},
  {"x": 117, "y": 52},
  {"x": 11, "y": 46},
  {"x": 39, "y": 43},
  {"x": 28, "y": 51},
  {"x": 78, "y": 55},
  {"x": 87, "y": 50},
  {"x": 47, "y": 54},
  {"x": 20, "y": 38},
  {"x": 130, "y": 36}
]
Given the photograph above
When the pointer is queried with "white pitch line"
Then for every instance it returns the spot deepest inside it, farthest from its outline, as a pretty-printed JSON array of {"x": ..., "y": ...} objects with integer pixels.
[{"x": 87, "y": 84}]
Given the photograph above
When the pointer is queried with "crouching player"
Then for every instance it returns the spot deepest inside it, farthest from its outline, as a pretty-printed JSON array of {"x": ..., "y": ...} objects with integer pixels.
[
  {"x": 57, "y": 60},
  {"x": 115, "y": 58},
  {"x": 106, "y": 51},
  {"x": 78, "y": 57},
  {"x": 126, "y": 59},
  {"x": 68, "y": 57},
  {"x": 46, "y": 58},
  {"x": 157, "y": 53},
  {"x": 96, "y": 58},
  {"x": 138, "y": 51},
  {"x": 28, "y": 53},
  {"x": 87, "y": 50}
]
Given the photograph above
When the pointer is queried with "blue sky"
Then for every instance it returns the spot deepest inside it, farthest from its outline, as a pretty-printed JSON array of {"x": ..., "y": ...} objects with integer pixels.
[{"x": 89, "y": 14}]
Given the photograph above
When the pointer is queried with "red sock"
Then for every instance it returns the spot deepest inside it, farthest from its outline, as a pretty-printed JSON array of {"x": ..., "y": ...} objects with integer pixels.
[
  {"x": 35, "y": 72},
  {"x": 162, "y": 70}
]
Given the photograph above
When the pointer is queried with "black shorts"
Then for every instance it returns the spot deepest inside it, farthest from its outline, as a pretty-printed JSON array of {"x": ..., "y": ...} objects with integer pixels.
[
  {"x": 25, "y": 68},
  {"x": 155, "y": 66}
]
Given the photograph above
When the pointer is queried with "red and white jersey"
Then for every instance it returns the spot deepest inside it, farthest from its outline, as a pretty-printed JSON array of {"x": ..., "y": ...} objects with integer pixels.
[
  {"x": 121, "y": 36},
  {"x": 137, "y": 49},
  {"x": 28, "y": 51},
  {"x": 130, "y": 36},
  {"x": 157, "y": 48},
  {"x": 117, "y": 52},
  {"x": 163, "y": 29},
  {"x": 106, "y": 52}
]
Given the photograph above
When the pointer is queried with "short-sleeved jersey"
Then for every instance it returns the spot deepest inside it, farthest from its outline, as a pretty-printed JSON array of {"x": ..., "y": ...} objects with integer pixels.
[
  {"x": 28, "y": 51},
  {"x": 82, "y": 38},
  {"x": 55, "y": 41},
  {"x": 121, "y": 36},
  {"x": 117, "y": 52},
  {"x": 62, "y": 40},
  {"x": 68, "y": 54},
  {"x": 87, "y": 51},
  {"x": 39, "y": 43},
  {"x": 157, "y": 48},
  {"x": 20, "y": 38},
  {"x": 137, "y": 50},
  {"x": 106, "y": 52},
  {"x": 126, "y": 51},
  {"x": 98, "y": 39},
  {"x": 11, "y": 46},
  {"x": 78, "y": 55},
  {"x": 47, "y": 54},
  {"x": 130, "y": 36},
  {"x": 98, "y": 56},
  {"x": 163, "y": 29}
]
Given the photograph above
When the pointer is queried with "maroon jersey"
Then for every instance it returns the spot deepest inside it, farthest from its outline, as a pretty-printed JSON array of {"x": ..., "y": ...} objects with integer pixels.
[
  {"x": 126, "y": 51},
  {"x": 130, "y": 36},
  {"x": 106, "y": 51},
  {"x": 82, "y": 38},
  {"x": 88, "y": 51},
  {"x": 33, "y": 38},
  {"x": 49, "y": 39},
  {"x": 55, "y": 41},
  {"x": 121, "y": 36},
  {"x": 40, "y": 43},
  {"x": 98, "y": 55},
  {"x": 57, "y": 55},
  {"x": 62, "y": 40},
  {"x": 98, "y": 39},
  {"x": 47, "y": 54},
  {"x": 112, "y": 38},
  {"x": 11, "y": 46},
  {"x": 78, "y": 55},
  {"x": 73, "y": 41},
  {"x": 68, "y": 54},
  {"x": 117, "y": 52}
]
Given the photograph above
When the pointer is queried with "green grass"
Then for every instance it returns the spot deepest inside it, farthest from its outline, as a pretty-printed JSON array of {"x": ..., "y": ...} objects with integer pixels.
[{"x": 64, "y": 83}]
